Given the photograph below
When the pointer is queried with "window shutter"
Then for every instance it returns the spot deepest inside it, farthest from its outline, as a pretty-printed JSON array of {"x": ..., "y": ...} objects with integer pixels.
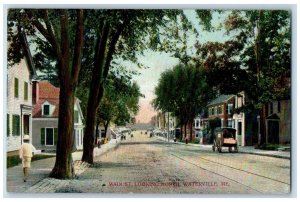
[
  {"x": 42, "y": 136},
  {"x": 25, "y": 91},
  {"x": 7, "y": 125},
  {"x": 13, "y": 125},
  {"x": 55, "y": 136},
  {"x": 16, "y": 87},
  {"x": 76, "y": 116},
  {"x": 18, "y": 125}
]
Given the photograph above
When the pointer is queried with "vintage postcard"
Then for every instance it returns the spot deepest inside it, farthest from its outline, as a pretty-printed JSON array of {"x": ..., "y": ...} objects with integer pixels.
[{"x": 148, "y": 101}]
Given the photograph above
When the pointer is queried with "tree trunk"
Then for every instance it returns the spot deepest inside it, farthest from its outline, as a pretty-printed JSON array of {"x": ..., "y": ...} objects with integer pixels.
[
  {"x": 63, "y": 165},
  {"x": 68, "y": 77},
  {"x": 263, "y": 125},
  {"x": 95, "y": 96},
  {"x": 105, "y": 128},
  {"x": 88, "y": 139},
  {"x": 185, "y": 130},
  {"x": 181, "y": 132},
  {"x": 191, "y": 130},
  {"x": 97, "y": 130}
]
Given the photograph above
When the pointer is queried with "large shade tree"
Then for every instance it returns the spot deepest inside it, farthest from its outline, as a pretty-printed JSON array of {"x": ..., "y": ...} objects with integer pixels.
[
  {"x": 119, "y": 103},
  {"x": 122, "y": 36},
  {"x": 182, "y": 90},
  {"x": 61, "y": 35},
  {"x": 62, "y": 32},
  {"x": 256, "y": 59}
]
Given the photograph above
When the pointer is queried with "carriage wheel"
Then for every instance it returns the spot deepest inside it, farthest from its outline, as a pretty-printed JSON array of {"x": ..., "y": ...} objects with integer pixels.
[
  {"x": 230, "y": 149},
  {"x": 219, "y": 149}
]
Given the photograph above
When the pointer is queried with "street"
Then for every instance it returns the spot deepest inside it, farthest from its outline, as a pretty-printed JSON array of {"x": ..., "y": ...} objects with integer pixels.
[{"x": 148, "y": 165}]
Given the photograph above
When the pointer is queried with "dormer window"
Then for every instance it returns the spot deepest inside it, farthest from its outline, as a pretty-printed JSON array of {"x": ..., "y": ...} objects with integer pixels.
[{"x": 46, "y": 110}]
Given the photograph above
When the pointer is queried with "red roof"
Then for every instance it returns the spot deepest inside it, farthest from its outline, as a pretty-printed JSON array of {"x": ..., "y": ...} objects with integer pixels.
[
  {"x": 49, "y": 93},
  {"x": 47, "y": 90}
]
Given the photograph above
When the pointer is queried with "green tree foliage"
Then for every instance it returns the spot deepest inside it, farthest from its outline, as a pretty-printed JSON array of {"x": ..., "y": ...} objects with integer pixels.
[
  {"x": 256, "y": 59},
  {"x": 184, "y": 91},
  {"x": 70, "y": 39},
  {"x": 122, "y": 35},
  {"x": 119, "y": 103},
  {"x": 59, "y": 35}
]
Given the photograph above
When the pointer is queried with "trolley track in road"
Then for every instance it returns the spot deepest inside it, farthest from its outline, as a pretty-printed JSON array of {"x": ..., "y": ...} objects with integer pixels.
[
  {"x": 234, "y": 180},
  {"x": 238, "y": 169},
  {"x": 245, "y": 171},
  {"x": 215, "y": 173}
]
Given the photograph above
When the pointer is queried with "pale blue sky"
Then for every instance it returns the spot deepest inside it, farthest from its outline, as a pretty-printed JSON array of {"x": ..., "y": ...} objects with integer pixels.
[{"x": 159, "y": 62}]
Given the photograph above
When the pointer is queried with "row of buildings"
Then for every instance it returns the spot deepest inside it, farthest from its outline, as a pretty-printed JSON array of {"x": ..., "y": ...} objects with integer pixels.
[{"x": 223, "y": 111}]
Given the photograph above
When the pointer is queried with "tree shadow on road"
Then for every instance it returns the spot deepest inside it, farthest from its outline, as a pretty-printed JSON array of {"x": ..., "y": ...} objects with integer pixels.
[{"x": 112, "y": 165}]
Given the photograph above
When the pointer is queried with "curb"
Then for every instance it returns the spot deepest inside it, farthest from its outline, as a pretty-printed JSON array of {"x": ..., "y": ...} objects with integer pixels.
[
  {"x": 109, "y": 149},
  {"x": 245, "y": 152},
  {"x": 268, "y": 155},
  {"x": 50, "y": 185}
]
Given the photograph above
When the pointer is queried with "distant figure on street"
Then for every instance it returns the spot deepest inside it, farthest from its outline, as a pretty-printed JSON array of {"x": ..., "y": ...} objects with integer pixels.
[
  {"x": 26, "y": 155},
  {"x": 186, "y": 139},
  {"x": 98, "y": 142}
]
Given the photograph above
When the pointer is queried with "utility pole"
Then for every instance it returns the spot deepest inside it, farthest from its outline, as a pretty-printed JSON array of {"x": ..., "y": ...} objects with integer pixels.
[{"x": 168, "y": 126}]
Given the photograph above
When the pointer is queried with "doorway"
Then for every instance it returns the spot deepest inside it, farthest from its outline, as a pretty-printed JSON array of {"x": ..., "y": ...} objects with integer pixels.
[
  {"x": 273, "y": 132},
  {"x": 26, "y": 124}
]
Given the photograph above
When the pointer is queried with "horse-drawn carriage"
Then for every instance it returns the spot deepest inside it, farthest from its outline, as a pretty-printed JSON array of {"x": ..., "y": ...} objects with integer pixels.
[{"x": 225, "y": 137}]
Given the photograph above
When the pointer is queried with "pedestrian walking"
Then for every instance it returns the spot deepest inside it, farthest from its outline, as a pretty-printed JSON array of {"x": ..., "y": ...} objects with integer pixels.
[
  {"x": 98, "y": 142},
  {"x": 26, "y": 155},
  {"x": 186, "y": 139}
]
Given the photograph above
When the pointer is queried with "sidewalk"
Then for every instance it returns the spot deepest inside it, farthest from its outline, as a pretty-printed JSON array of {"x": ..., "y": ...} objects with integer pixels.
[
  {"x": 244, "y": 149},
  {"x": 40, "y": 169}
]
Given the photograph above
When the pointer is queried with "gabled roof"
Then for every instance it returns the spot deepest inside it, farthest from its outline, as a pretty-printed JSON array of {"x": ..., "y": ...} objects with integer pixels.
[
  {"x": 47, "y": 92},
  {"x": 220, "y": 99},
  {"x": 28, "y": 55},
  {"x": 273, "y": 116},
  {"x": 77, "y": 102}
]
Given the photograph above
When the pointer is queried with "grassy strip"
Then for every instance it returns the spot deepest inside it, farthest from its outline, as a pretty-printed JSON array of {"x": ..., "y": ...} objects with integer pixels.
[
  {"x": 15, "y": 160},
  {"x": 271, "y": 147}
]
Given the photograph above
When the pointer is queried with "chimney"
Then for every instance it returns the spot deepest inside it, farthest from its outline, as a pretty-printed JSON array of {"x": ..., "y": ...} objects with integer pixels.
[{"x": 35, "y": 92}]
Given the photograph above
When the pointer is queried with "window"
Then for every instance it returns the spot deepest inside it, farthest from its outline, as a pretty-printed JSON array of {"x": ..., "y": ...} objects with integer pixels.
[
  {"x": 271, "y": 108},
  {"x": 220, "y": 110},
  {"x": 7, "y": 125},
  {"x": 77, "y": 137},
  {"x": 16, "y": 125},
  {"x": 49, "y": 137},
  {"x": 46, "y": 109},
  {"x": 229, "y": 108},
  {"x": 278, "y": 107},
  {"x": 102, "y": 133},
  {"x": 16, "y": 88},
  {"x": 197, "y": 124},
  {"x": 230, "y": 123},
  {"x": 25, "y": 91},
  {"x": 76, "y": 116}
]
